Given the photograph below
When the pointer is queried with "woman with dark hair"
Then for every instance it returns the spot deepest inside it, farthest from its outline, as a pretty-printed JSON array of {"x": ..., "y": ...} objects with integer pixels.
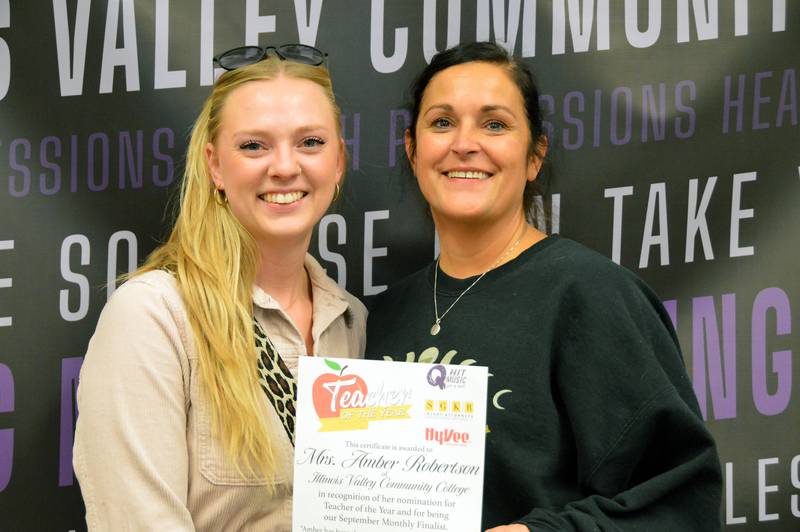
[{"x": 593, "y": 423}]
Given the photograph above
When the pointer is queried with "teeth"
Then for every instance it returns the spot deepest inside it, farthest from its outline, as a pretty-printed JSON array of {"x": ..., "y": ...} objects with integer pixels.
[
  {"x": 282, "y": 199},
  {"x": 467, "y": 175}
]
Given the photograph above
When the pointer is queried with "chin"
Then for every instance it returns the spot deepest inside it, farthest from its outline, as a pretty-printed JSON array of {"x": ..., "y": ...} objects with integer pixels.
[
  {"x": 284, "y": 233},
  {"x": 474, "y": 213}
]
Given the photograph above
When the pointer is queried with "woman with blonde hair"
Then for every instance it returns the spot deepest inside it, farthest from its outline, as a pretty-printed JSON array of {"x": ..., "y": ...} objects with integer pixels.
[{"x": 186, "y": 394}]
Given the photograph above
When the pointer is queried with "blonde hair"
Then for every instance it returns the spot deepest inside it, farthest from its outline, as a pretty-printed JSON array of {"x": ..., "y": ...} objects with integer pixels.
[{"x": 214, "y": 260}]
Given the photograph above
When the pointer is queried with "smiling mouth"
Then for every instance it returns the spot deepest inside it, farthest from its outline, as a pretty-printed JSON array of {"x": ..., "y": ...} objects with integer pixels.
[
  {"x": 459, "y": 174},
  {"x": 283, "y": 199}
]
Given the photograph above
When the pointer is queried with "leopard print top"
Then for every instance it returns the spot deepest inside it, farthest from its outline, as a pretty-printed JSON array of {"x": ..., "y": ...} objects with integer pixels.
[{"x": 276, "y": 380}]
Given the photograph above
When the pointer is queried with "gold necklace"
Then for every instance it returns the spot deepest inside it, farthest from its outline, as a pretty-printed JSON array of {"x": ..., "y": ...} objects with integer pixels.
[{"x": 437, "y": 325}]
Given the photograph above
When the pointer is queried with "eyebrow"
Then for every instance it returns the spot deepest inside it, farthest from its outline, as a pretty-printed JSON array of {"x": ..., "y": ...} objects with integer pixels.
[
  {"x": 301, "y": 130},
  {"x": 485, "y": 109},
  {"x": 489, "y": 108},
  {"x": 314, "y": 127}
]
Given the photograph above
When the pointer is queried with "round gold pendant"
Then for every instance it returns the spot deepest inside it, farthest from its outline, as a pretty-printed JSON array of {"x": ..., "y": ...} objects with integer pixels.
[{"x": 435, "y": 329}]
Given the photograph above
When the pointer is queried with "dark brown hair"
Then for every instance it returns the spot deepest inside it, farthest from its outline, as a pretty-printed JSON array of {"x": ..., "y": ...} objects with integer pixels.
[{"x": 489, "y": 52}]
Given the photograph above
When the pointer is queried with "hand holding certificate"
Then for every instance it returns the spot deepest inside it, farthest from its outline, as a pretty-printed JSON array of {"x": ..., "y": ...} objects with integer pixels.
[{"x": 388, "y": 446}]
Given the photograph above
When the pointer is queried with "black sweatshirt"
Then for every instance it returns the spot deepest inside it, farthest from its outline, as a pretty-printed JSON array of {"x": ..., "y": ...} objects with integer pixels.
[{"x": 593, "y": 424}]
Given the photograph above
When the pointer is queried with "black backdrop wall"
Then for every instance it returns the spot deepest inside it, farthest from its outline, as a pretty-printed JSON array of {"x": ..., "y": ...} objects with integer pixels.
[{"x": 674, "y": 146}]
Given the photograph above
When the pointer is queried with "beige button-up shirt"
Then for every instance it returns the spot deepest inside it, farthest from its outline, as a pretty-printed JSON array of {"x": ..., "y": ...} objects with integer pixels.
[{"x": 145, "y": 454}]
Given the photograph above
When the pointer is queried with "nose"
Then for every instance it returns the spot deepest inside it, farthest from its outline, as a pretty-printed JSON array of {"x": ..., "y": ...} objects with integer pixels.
[
  {"x": 284, "y": 163},
  {"x": 465, "y": 140}
]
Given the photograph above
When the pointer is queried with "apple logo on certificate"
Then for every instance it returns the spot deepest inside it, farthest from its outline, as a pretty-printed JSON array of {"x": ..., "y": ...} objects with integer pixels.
[{"x": 343, "y": 402}]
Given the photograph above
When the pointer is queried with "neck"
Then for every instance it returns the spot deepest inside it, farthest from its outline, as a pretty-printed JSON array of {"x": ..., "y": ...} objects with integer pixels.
[
  {"x": 472, "y": 249},
  {"x": 281, "y": 273}
]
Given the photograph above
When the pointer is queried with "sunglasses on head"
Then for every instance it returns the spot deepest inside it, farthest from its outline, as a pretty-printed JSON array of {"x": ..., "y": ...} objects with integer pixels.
[{"x": 248, "y": 55}]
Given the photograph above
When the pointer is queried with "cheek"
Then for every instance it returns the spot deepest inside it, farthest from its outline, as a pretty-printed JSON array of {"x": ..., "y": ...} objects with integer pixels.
[
  {"x": 431, "y": 147},
  {"x": 231, "y": 167},
  {"x": 322, "y": 169},
  {"x": 514, "y": 154}
]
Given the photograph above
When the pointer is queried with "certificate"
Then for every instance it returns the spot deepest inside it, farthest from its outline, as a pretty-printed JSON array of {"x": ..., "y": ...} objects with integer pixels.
[{"x": 388, "y": 446}]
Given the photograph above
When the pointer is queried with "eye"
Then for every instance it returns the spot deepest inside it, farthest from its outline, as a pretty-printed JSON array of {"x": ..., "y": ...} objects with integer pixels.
[
  {"x": 496, "y": 125},
  {"x": 441, "y": 123},
  {"x": 312, "y": 142},
  {"x": 250, "y": 145}
]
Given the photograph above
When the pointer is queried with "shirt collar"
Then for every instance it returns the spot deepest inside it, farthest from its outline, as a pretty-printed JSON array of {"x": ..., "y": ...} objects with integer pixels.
[{"x": 329, "y": 299}]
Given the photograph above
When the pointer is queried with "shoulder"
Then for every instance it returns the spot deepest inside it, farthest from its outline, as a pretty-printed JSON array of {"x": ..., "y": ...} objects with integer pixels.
[
  {"x": 155, "y": 284},
  {"x": 581, "y": 273},
  {"x": 356, "y": 312},
  {"x": 356, "y": 309},
  {"x": 577, "y": 260},
  {"x": 403, "y": 292},
  {"x": 593, "y": 301},
  {"x": 401, "y": 303},
  {"x": 605, "y": 310},
  {"x": 151, "y": 292},
  {"x": 142, "y": 338},
  {"x": 146, "y": 308}
]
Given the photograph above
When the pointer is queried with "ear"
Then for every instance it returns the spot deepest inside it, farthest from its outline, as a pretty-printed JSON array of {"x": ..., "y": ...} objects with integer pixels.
[
  {"x": 342, "y": 163},
  {"x": 535, "y": 161},
  {"x": 212, "y": 159},
  {"x": 410, "y": 148}
]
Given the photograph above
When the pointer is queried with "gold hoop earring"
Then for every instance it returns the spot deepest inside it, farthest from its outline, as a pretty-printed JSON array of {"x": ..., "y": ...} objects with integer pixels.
[
  {"x": 220, "y": 198},
  {"x": 336, "y": 193}
]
